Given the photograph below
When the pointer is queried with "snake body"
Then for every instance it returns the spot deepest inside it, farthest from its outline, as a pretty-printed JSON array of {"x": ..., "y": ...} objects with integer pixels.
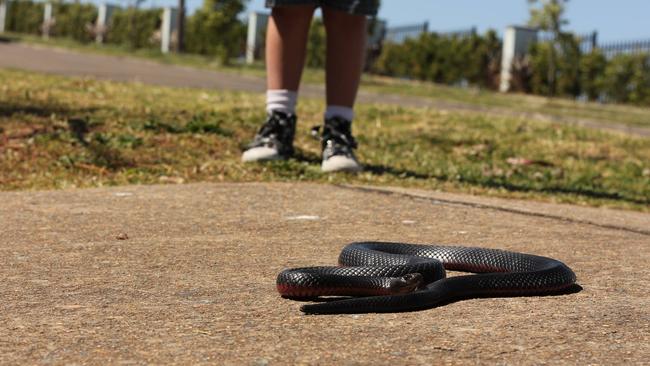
[{"x": 406, "y": 277}]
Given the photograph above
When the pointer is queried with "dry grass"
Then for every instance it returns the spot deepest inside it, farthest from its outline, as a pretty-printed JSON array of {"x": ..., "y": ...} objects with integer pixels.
[{"x": 60, "y": 132}]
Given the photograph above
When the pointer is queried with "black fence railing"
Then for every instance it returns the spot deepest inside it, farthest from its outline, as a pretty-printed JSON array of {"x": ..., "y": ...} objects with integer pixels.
[
  {"x": 587, "y": 41},
  {"x": 462, "y": 33},
  {"x": 612, "y": 49},
  {"x": 402, "y": 33}
]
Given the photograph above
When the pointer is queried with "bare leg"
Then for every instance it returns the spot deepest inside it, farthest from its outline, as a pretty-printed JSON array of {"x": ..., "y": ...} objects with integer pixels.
[
  {"x": 286, "y": 46},
  {"x": 346, "y": 48}
]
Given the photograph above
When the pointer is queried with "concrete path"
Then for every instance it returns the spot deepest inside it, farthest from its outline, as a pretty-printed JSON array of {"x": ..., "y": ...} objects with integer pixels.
[
  {"x": 185, "y": 274},
  {"x": 70, "y": 63}
]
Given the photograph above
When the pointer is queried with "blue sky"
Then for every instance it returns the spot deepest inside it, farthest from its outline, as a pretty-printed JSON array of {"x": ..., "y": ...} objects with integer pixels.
[{"x": 614, "y": 20}]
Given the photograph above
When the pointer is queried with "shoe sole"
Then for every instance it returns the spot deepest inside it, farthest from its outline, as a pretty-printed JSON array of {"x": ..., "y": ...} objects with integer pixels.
[
  {"x": 341, "y": 164},
  {"x": 261, "y": 154}
]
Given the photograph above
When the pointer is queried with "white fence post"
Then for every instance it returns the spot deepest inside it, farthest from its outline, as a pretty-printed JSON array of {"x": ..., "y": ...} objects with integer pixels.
[
  {"x": 104, "y": 13},
  {"x": 167, "y": 28},
  {"x": 255, "y": 37},
  {"x": 3, "y": 14},
  {"x": 48, "y": 20},
  {"x": 516, "y": 41}
]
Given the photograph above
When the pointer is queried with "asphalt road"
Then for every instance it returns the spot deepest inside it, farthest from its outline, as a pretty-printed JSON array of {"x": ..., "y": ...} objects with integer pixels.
[{"x": 184, "y": 274}]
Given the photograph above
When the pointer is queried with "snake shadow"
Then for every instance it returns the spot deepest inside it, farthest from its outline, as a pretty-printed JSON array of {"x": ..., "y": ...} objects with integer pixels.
[{"x": 573, "y": 289}]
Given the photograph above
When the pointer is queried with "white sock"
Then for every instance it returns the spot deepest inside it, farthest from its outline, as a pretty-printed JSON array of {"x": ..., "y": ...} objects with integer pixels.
[
  {"x": 282, "y": 100},
  {"x": 339, "y": 111}
]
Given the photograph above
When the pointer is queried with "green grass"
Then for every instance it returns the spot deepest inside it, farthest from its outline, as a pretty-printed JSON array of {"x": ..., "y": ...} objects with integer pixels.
[
  {"x": 58, "y": 132},
  {"x": 470, "y": 98},
  {"x": 554, "y": 107}
]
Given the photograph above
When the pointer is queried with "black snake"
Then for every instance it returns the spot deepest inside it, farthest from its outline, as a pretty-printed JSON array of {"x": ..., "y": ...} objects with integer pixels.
[{"x": 406, "y": 277}]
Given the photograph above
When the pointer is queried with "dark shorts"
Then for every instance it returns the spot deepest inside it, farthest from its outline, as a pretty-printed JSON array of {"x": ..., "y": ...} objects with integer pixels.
[{"x": 357, "y": 7}]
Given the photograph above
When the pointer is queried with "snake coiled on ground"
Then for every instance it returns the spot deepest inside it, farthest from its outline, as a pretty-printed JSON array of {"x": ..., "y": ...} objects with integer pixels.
[{"x": 397, "y": 277}]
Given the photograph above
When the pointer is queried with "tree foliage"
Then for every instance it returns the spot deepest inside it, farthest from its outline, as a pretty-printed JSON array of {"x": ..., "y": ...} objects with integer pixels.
[
  {"x": 444, "y": 59},
  {"x": 565, "y": 56},
  {"x": 134, "y": 27},
  {"x": 24, "y": 17},
  {"x": 72, "y": 19},
  {"x": 627, "y": 79},
  {"x": 316, "y": 46},
  {"x": 548, "y": 15},
  {"x": 592, "y": 69},
  {"x": 215, "y": 30}
]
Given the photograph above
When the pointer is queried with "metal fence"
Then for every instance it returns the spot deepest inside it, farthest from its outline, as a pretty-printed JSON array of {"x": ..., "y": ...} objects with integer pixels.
[
  {"x": 589, "y": 41},
  {"x": 402, "y": 33},
  {"x": 612, "y": 49},
  {"x": 586, "y": 41},
  {"x": 462, "y": 33}
]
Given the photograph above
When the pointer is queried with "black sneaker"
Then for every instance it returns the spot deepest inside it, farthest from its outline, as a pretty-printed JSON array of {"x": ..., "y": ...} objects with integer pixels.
[
  {"x": 338, "y": 146},
  {"x": 274, "y": 140}
]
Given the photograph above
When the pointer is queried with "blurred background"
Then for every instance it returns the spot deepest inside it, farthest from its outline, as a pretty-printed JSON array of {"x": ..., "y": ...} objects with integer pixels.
[{"x": 589, "y": 50}]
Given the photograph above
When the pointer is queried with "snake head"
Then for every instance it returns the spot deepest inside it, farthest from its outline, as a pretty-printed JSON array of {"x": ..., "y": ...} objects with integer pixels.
[{"x": 405, "y": 284}]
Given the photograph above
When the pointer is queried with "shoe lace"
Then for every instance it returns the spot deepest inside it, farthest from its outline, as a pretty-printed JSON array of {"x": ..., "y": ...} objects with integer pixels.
[
  {"x": 335, "y": 129},
  {"x": 273, "y": 126}
]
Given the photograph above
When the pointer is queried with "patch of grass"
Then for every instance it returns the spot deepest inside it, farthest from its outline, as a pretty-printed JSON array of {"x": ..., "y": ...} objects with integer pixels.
[
  {"x": 522, "y": 103},
  {"x": 61, "y": 132},
  {"x": 470, "y": 98}
]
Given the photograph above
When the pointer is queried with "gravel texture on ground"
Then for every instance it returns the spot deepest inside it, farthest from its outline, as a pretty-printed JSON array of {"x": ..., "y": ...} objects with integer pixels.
[{"x": 186, "y": 274}]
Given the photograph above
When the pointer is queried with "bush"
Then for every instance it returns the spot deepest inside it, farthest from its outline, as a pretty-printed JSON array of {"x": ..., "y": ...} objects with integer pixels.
[
  {"x": 317, "y": 44},
  {"x": 566, "y": 79},
  {"x": 215, "y": 30},
  {"x": 592, "y": 69},
  {"x": 134, "y": 27},
  {"x": 71, "y": 20},
  {"x": 568, "y": 66},
  {"x": 444, "y": 59},
  {"x": 24, "y": 17},
  {"x": 521, "y": 74},
  {"x": 627, "y": 79}
]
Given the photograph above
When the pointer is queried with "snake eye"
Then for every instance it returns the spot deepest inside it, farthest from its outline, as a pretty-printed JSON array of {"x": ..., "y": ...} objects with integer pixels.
[{"x": 411, "y": 277}]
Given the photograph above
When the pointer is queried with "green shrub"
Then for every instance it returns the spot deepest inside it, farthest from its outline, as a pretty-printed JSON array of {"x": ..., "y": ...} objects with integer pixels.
[
  {"x": 135, "y": 27},
  {"x": 443, "y": 59},
  {"x": 72, "y": 19},
  {"x": 24, "y": 17},
  {"x": 316, "y": 46},
  {"x": 215, "y": 30},
  {"x": 627, "y": 79},
  {"x": 568, "y": 68},
  {"x": 566, "y": 78},
  {"x": 592, "y": 69}
]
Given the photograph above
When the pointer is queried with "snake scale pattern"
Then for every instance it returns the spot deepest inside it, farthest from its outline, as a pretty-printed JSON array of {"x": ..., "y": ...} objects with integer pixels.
[{"x": 394, "y": 277}]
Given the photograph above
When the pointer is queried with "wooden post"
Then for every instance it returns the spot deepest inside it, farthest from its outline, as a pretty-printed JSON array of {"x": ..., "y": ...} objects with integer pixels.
[
  {"x": 516, "y": 41},
  {"x": 48, "y": 20},
  {"x": 167, "y": 29},
  {"x": 255, "y": 36},
  {"x": 3, "y": 14},
  {"x": 104, "y": 13}
]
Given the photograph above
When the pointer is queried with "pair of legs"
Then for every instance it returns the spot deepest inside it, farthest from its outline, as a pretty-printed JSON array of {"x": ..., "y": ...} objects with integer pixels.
[{"x": 286, "y": 47}]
